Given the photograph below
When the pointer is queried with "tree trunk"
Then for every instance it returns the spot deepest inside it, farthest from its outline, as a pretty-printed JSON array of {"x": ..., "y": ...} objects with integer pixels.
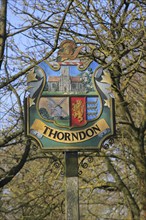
[
  {"x": 134, "y": 208},
  {"x": 142, "y": 173},
  {"x": 3, "y": 15}
]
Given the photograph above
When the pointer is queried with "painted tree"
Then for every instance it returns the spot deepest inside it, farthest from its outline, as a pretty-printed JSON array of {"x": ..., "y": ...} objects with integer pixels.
[{"x": 113, "y": 34}]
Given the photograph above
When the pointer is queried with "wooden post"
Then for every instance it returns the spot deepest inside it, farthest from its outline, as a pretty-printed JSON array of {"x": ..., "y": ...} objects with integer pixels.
[{"x": 72, "y": 187}]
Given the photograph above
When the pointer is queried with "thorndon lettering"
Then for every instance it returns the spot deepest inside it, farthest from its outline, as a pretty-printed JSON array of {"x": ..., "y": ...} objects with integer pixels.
[{"x": 66, "y": 136}]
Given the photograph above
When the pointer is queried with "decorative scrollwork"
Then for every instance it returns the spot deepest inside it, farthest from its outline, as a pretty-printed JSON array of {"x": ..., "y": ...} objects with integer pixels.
[
  {"x": 108, "y": 143},
  {"x": 111, "y": 141},
  {"x": 57, "y": 164},
  {"x": 106, "y": 146},
  {"x": 90, "y": 159},
  {"x": 84, "y": 163},
  {"x": 80, "y": 172},
  {"x": 62, "y": 172}
]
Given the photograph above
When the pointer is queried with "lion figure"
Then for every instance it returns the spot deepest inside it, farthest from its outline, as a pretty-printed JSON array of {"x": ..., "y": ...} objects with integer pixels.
[{"x": 78, "y": 110}]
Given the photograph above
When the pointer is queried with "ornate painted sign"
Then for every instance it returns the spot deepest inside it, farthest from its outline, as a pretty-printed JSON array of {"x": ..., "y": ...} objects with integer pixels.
[{"x": 70, "y": 106}]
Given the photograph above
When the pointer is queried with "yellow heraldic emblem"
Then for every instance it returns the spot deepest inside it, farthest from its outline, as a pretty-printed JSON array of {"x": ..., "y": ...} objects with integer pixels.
[
  {"x": 78, "y": 110},
  {"x": 68, "y": 50}
]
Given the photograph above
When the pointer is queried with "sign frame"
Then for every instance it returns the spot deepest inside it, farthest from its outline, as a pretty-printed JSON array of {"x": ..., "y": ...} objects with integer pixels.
[{"x": 76, "y": 137}]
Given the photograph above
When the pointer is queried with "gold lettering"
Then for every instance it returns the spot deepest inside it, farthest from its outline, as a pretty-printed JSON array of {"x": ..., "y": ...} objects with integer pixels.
[
  {"x": 89, "y": 132},
  {"x": 52, "y": 133},
  {"x": 75, "y": 136},
  {"x": 82, "y": 135},
  {"x": 46, "y": 129},
  {"x": 96, "y": 129},
  {"x": 60, "y": 135},
  {"x": 67, "y": 136}
]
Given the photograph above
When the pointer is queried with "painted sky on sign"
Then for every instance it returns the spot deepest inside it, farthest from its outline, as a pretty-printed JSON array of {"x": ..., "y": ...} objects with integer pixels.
[{"x": 73, "y": 70}]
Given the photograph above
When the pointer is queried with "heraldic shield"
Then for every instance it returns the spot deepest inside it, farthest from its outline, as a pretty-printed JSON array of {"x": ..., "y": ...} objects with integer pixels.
[{"x": 70, "y": 104}]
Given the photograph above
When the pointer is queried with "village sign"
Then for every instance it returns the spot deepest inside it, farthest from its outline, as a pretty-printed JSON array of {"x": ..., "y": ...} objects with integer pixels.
[{"x": 70, "y": 106}]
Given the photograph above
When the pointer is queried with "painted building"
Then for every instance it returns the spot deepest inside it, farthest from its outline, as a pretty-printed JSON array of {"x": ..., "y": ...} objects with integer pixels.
[{"x": 65, "y": 82}]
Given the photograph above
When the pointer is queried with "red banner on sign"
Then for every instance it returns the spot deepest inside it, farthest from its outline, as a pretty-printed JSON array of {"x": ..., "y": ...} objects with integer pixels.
[{"x": 78, "y": 111}]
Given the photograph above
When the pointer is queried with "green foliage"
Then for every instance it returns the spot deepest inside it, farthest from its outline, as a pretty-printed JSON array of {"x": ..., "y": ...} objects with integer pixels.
[{"x": 44, "y": 113}]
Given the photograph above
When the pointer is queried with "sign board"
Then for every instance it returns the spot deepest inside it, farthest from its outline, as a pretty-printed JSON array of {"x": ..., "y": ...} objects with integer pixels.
[{"x": 69, "y": 105}]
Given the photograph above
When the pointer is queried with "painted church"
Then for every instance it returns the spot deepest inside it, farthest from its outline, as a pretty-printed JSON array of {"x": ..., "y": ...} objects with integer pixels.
[{"x": 65, "y": 83}]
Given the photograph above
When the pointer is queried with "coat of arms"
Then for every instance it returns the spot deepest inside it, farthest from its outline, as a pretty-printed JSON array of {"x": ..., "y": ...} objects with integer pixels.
[{"x": 70, "y": 106}]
